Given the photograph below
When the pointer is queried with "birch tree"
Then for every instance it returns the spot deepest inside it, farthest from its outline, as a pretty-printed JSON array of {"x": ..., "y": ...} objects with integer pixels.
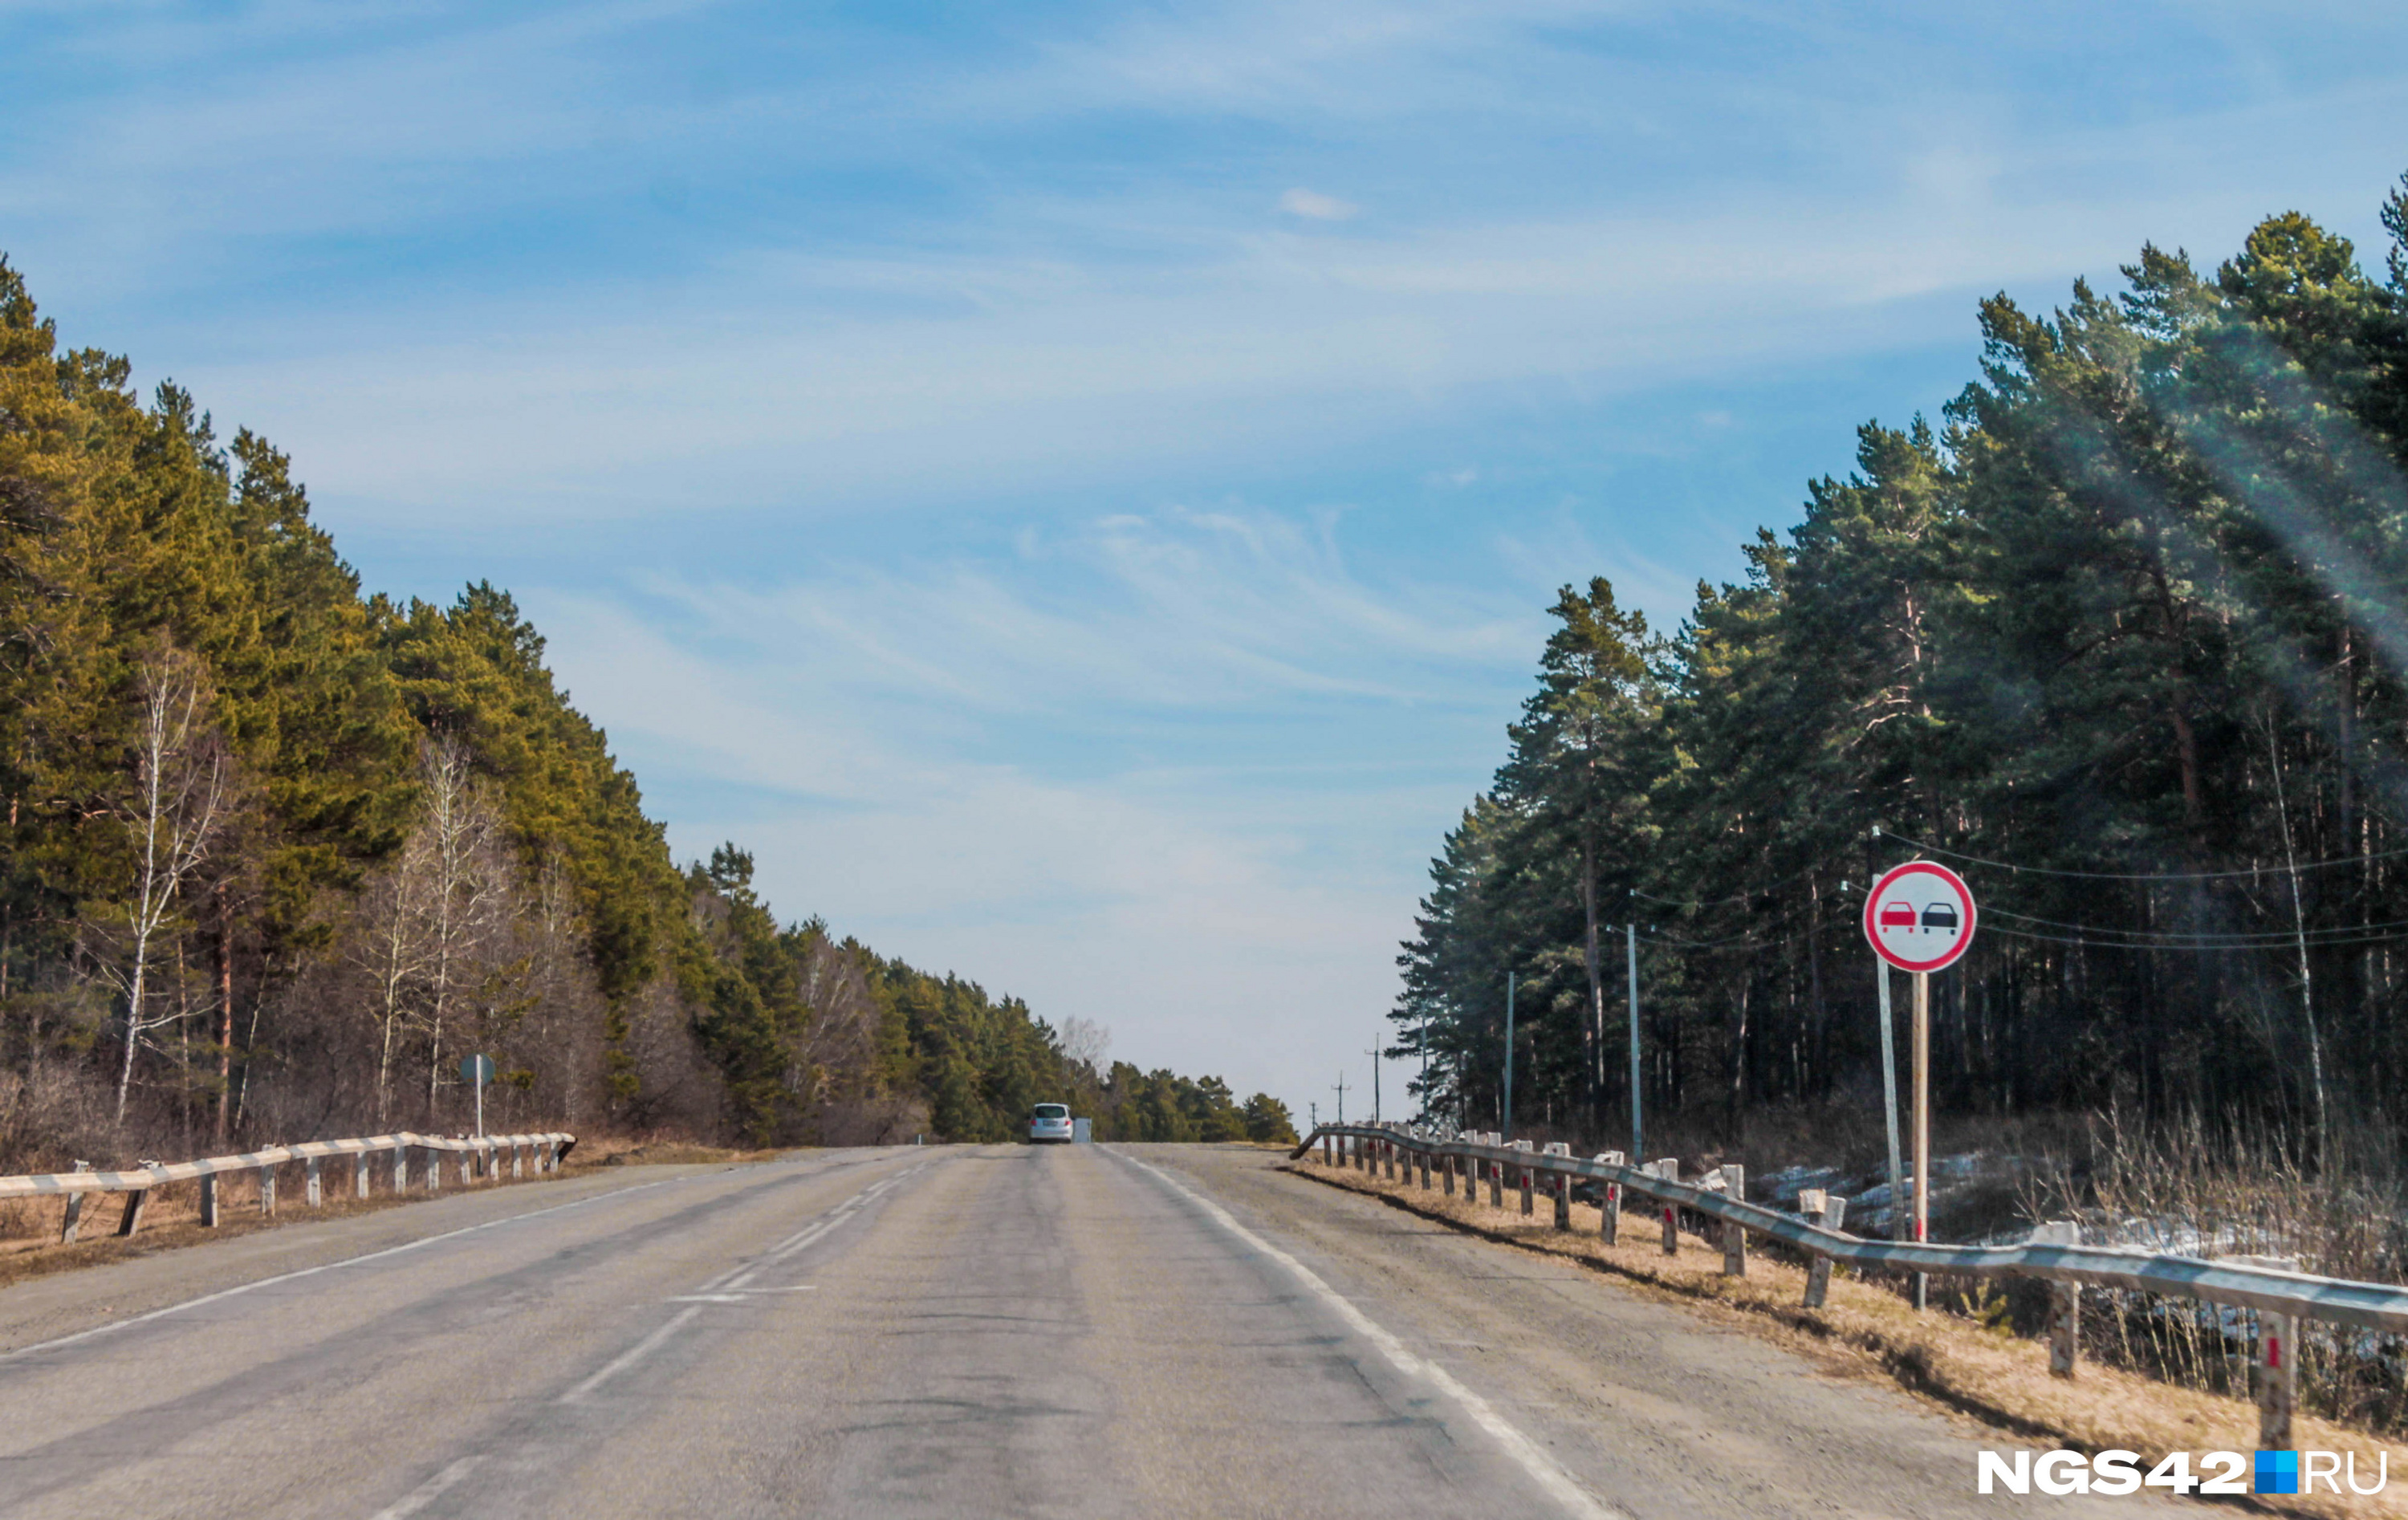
[{"x": 182, "y": 778}]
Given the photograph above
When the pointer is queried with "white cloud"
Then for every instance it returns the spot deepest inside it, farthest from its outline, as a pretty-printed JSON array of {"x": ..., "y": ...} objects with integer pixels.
[
  {"x": 1317, "y": 207},
  {"x": 980, "y": 767}
]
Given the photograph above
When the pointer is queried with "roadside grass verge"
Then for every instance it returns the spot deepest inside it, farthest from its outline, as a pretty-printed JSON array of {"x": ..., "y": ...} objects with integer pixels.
[{"x": 1974, "y": 1368}]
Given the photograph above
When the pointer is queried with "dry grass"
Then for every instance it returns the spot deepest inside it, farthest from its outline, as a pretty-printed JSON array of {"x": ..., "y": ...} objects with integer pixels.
[
  {"x": 1979, "y": 1371},
  {"x": 2188, "y": 1190},
  {"x": 630, "y": 1152}
]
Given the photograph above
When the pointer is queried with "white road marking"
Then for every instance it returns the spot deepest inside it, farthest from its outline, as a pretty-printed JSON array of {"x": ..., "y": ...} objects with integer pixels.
[
  {"x": 323, "y": 1267},
  {"x": 630, "y": 1357},
  {"x": 432, "y": 1489},
  {"x": 724, "y": 1289},
  {"x": 353, "y": 1261},
  {"x": 1525, "y": 1452}
]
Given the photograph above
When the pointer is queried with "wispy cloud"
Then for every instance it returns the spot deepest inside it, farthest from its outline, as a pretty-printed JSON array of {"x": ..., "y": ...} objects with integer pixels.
[
  {"x": 1315, "y": 207},
  {"x": 1032, "y": 769}
]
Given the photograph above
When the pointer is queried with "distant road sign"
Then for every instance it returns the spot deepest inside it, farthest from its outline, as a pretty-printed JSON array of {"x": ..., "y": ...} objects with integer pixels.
[
  {"x": 478, "y": 1069},
  {"x": 1919, "y": 916}
]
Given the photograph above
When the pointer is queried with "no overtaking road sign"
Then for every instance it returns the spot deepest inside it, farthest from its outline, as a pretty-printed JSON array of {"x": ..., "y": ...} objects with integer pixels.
[{"x": 1919, "y": 916}]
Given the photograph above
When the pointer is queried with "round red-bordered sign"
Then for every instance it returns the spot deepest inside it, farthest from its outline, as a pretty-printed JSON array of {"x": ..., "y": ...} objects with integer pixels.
[{"x": 1919, "y": 916}]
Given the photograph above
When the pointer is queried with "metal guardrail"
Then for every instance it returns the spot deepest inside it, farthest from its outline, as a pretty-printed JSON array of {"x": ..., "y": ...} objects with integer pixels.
[
  {"x": 477, "y": 1155},
  {"x": 2280, "y": 1296}
]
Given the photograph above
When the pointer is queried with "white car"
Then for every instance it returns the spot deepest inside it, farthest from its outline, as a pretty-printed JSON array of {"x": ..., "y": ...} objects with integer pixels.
[{"x": 1050, "y": 1123}]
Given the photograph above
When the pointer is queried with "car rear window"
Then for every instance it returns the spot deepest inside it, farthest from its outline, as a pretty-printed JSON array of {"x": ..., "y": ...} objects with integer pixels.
[{"x": 1053, "y": 1111}]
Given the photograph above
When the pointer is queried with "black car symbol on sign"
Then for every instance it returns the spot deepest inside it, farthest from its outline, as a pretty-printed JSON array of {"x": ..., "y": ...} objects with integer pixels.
[{"x": 1941, "y": 916}]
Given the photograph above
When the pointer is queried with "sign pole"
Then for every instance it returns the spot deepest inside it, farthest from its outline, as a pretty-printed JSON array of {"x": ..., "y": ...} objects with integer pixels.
[
  {"x": 1897, "y": 1220},
  {"x": 1919, "y": 917},
  {"x": 1922, "y": 1119}
]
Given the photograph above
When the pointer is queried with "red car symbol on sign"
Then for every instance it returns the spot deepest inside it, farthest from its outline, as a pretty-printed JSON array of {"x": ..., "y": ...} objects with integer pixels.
[{"x": 1898, "y": 915}]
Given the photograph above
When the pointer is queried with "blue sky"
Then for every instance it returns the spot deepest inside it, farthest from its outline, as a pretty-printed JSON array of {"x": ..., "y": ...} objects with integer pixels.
[{"x": 1074, "y": 488}]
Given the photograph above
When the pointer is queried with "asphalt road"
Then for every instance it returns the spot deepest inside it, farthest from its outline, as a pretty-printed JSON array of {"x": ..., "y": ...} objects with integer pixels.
[{"x": 954, "y": 1331}]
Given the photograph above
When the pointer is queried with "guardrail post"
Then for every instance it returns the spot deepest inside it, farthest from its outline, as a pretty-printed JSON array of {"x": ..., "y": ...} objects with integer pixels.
[
  {"x": 518, "y": 1160},
  {"x": 360, "y": 1174},
  {"x": 1446, "y": 1174},
  {"x": 1830, "y": 1212},
  {"x": 131, "y": 1220},
  {"x": 1497, "y": 1184},
  {"x": 1734, "y": 1233},
  {"x": 1668, "y": 1167},
  {"x": 75, "y": 1208},
  {"x": 268, "y": 1190},
  {"x": 1529, "y": 1176},
  {"x": 468, "y": 1167},
  {"x": 2064, "y": 1302},
  {"x": 209, "y": 1201},
  {"x": 2278, "y": 1379},
  {"x": 309, "y": 1184},
  {"x": 434, "y": 1169},
  {"x": 1609, "y": 1225},
  {"x": 401, "y": 1169},
  {"x": 1421, "y": 1161}
]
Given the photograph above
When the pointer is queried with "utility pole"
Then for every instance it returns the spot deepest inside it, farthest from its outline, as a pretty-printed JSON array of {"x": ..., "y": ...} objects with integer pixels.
[
  {"x": 1315, "y": 1109},
  {"x": 1374, "y": 1053},
  {"x": 1505, "y": 1118},
  {"x": 1637, "y": 1148},
  {"x": 1341, "y": 1097}
]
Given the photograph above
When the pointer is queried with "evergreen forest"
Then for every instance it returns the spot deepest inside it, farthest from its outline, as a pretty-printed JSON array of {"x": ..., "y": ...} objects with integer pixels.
[
  {"x": 2122, "y": 635},
  {"x": 279, "y": 855}
]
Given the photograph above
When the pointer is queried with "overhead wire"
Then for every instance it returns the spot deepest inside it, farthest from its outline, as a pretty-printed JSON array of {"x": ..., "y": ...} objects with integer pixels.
[{"x": 2140, "y": 876}]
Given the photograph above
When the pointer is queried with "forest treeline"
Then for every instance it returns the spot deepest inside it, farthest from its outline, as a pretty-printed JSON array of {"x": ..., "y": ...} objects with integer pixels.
[
  {"x": 280, "y": 855},
  {"x": 2124, "y": 637}
]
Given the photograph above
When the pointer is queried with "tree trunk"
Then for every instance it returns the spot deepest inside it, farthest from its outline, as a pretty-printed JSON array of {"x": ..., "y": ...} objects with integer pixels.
[
  {"x": 1593, "y": 1025},
  {"x": 225, "y": 948}
]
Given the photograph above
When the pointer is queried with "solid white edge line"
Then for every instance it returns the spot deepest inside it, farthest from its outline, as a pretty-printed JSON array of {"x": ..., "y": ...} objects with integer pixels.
[
  {"x": 1526, "y": 1452},
  {"x": 241, "y": 1288}
]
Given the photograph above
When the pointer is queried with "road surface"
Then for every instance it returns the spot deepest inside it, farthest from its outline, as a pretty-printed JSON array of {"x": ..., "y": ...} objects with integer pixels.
[{"x": 950, "y": 1331}]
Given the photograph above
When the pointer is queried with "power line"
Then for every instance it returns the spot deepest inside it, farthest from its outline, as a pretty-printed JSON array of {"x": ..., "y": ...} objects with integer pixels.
[
  {"x": 2088, "y": 942},
  {"x": 2134, "y": 876},
  {"x": 2232, "y": 937}
]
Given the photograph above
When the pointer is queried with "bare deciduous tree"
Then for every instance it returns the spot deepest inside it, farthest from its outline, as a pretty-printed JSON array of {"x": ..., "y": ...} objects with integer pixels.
[
  {"x": 430, "y": 922},
  {"x": 182, "y": 781}
]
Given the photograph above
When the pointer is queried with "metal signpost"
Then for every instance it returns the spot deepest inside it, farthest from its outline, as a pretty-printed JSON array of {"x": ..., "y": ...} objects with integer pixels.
[
  {"x": 1919, "y": 918},
  {"x": 477, "y": 1070}
]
